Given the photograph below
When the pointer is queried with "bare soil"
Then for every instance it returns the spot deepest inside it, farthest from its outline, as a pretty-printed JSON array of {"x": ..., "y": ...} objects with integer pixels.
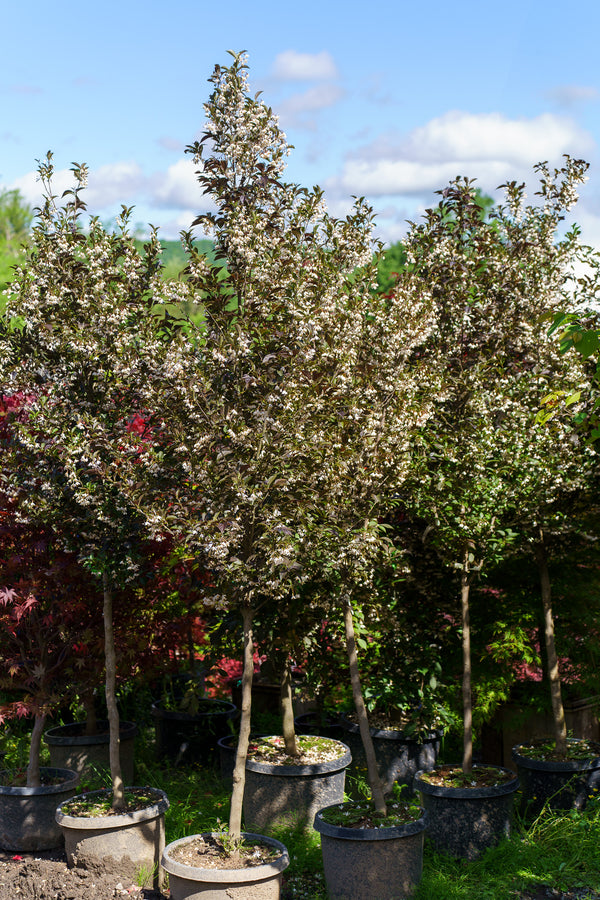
[
  {"x": 481, "y": 776},
  {"x": 209, "y": 853},
  {"x": 312, "y": 750},
  {"x": 45, "y": 876}
]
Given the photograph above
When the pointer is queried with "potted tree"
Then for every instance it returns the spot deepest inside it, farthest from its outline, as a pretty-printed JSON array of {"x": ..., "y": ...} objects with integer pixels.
[
  {"x": 546, "y": 472},
  {"x": 290, "y": 776},
  {"x": 556, "y": 770},
  {"x": 551, "y": 503},
  {"x": 466, "y": 481},
  {"x": 81, "y": 335},
  {"x": 293, "y": 336},
  {"x": 83, "y": 744},
  {"x": 249, "y": 322}
]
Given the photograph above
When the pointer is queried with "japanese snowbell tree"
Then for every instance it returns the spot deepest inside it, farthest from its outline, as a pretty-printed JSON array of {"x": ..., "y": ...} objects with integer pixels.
[
  {"x": 551, "y": 472},
  {"x": 491, "y": 281},
  {"x": 83, "y": 338},
  {"x": 296, "y": 418}
]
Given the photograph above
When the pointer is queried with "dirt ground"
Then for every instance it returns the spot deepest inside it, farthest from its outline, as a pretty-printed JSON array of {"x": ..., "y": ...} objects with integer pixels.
[{"x": 45, "y": 876}]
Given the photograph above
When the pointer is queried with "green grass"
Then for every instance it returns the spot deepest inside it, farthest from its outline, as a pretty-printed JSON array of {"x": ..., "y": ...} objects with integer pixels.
[{"x": 556, "y": 851}]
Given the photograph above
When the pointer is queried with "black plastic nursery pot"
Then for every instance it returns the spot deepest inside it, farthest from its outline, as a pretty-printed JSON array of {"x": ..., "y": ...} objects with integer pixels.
[
  {"x": 291, "y": 795},
  {"x": 266, "y": 697},
  {"x": 71, "y": 748},
  {"x": 27, "y": 821},
  {"x": 128, "y": 844},
  {"x": 562, "y": 784},
  {"x": 466, "y": 821},
  {"x": 227, "y": 749},
  {"x": 261, "y": 882},
  {"x": 227, "y": 752},
  {"x": 399, "y": 757},
  {"x": 326, "y": 724},
  {"x": 369, "y": 863},
  {"x": 183, "y": 737}
]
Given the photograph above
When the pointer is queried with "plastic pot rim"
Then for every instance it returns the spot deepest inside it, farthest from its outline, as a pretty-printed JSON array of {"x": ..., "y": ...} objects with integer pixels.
[
  {"x": 368, "y": 834},
  {"x": 327, "y": 767},
  {"x": 54, "y": 737},
  {"x": 118, "y": 820},
  {"x": 554, "y": 765},
  {"x": 467, "y": 793},
  {"x": 220, "y": 876},
  {"x": 71, "y": 780}
]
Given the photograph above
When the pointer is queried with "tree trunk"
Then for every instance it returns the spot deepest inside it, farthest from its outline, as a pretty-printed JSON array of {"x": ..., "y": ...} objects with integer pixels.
[
  {"x": 558, "y": 711},
  {"x": 33, "y": 767},
  {"x": 467, "y": 761},
  {"x": 361, "y": 712},
  {"x": 239, "y": 772},
  {"x": 118, "y": 802},
  {"x": 287, "y": 711},
  {"x": 89, "y": 706}
]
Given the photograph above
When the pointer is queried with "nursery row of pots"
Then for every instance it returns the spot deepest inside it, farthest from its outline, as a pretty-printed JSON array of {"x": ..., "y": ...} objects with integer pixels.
[
  {"x": 462, "y": 817},
  {"x": 363, "y": 861}
]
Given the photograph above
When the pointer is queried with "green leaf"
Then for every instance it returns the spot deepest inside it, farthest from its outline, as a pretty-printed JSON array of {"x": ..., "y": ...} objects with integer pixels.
[{"x": 587, "y": 343}]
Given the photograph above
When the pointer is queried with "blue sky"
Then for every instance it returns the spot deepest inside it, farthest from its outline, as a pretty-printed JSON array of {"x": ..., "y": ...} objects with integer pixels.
[{"x": 389, "y": 100}]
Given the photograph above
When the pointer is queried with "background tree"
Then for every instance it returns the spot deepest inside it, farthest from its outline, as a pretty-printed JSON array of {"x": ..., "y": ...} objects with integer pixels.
[
  {"x": 16, "y": 219},
  {"x": 82, "y": 337},
  {"x": 491, "y": 280}
]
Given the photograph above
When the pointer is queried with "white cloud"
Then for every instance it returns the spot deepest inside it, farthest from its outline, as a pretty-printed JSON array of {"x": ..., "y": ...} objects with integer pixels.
[
  {"x": 464, "y": 136},
  {"x": 293, "y": 66},
  {"x": 589, "y": 222},
  {"x": 30, "y": 185},
  {"x": 489, "y": 147},
  {"x": 124, "y": 182},
  {"x": 320, "y": 97},
  {"x": 172, "y": 228},
  {"x": 115, "y": 183},
  {"x": 178, "y": 188}
]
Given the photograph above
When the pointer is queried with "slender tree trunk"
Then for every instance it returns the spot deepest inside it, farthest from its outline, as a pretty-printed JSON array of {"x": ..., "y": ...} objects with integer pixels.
[
  {"x": 361, "y": 712},
  {"x": 33, "y": 767},
  {"x": 89, "y": 706},
  {"x": 287, "y": 710},
  {"x": 467, "y": 697},
  {"x": 558, "y": 711},
  {"x": 118, "y": 802},
  {"x": 239, "y": 772}
]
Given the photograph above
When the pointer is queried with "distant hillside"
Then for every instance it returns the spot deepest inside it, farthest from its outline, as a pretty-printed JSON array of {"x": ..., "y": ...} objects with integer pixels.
[{"x": 174, "y": 257}]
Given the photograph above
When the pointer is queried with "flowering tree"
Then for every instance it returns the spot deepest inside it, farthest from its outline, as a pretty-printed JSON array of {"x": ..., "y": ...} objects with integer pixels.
[
  {"x": 551, "y": 473},
  {"x": 491, "y": 280},
  {"x": 295, "y": 416},
  {"x": 83, "y": 335}
]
